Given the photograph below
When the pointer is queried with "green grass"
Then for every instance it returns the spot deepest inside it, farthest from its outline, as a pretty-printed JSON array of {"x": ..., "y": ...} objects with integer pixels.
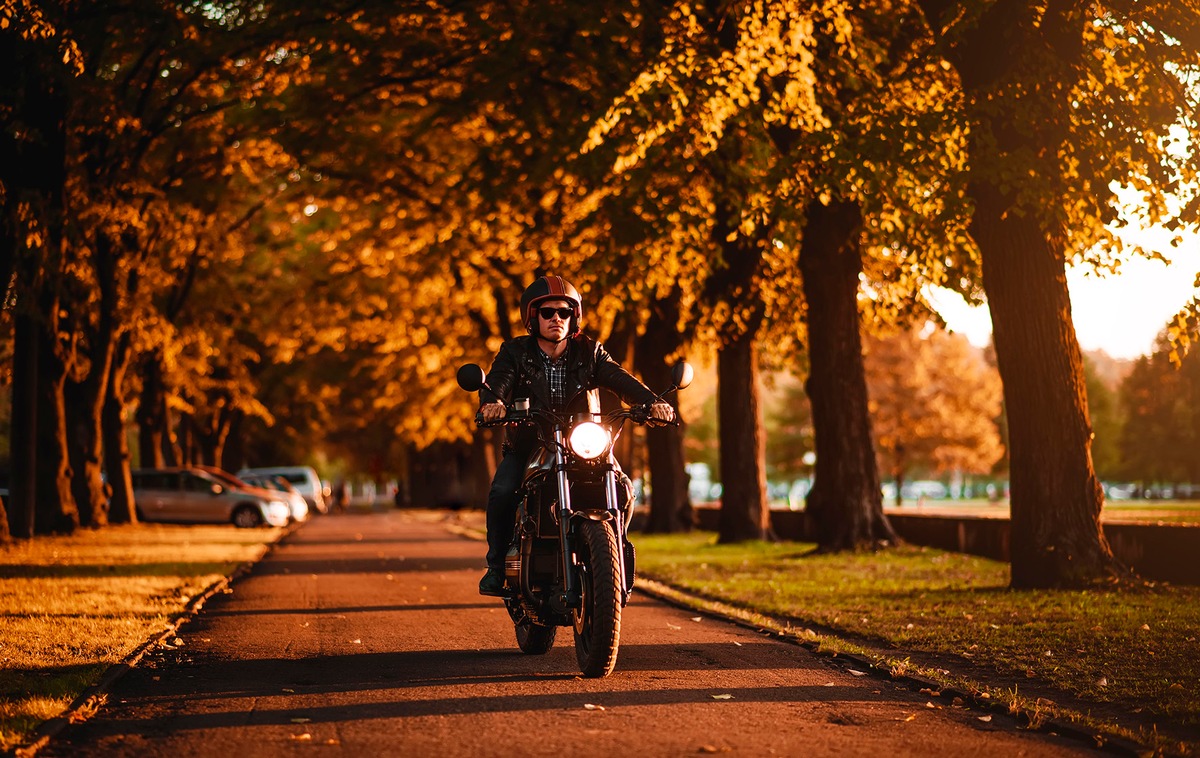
[
  {"x": 1135, "y": 648},
  {"x": 72, "y": 606}
]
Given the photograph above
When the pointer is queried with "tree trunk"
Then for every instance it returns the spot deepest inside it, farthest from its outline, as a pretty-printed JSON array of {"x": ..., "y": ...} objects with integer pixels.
[
  {"x": 23, "y": 441},
  {"x": 56, "y": 510},
  {"x": 84, "y": 402},
  {"x": 233, "y": 455},
  {"x": 670, "y": 505},
  {"x": 1056, "y": 538},
  {"x": 122, "y": 509},
  {"x": 150, "y": 416},
  {"x": 845, "y": 506},
  {"x": 744, "y": 511}
]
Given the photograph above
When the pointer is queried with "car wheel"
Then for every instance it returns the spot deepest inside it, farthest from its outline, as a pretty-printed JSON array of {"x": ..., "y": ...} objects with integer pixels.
[{"x": 247, "y": 517}]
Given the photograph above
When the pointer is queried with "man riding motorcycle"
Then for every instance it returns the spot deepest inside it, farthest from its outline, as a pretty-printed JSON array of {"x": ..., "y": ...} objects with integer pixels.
[{"x": 558, "y": 368}]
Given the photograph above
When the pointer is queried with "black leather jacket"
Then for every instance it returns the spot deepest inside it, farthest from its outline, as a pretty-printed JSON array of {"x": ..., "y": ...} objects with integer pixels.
[{"x": 518, "y": 371}]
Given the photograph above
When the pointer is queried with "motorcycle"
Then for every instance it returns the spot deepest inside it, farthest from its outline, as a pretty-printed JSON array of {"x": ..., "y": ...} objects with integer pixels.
[{"x": 571, "y": 562}]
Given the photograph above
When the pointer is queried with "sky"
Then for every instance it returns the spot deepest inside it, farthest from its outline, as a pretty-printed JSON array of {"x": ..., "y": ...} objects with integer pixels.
[{"x": 1119, "y": 314}]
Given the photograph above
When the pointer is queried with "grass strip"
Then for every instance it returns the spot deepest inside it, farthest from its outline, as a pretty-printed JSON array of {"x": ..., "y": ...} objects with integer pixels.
[
  {"x": 72, "y": 606},
  {"x": 1131, "y": 650}
]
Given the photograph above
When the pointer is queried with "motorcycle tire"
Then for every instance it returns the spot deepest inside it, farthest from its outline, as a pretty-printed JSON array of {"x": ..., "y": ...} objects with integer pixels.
[
  {"x": 534, "y": 639},
  {"x": 598, "y": 620}
]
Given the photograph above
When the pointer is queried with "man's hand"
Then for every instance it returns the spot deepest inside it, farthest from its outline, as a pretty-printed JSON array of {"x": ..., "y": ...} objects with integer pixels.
[
  {"x": 493, "y": 411},
  {"x": 662, "y": 412}
]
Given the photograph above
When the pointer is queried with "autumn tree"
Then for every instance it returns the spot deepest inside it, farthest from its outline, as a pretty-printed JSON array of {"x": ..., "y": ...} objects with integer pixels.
[
  {"x": 1066, "y": 101},
  {"x": 934, "y": 403}
]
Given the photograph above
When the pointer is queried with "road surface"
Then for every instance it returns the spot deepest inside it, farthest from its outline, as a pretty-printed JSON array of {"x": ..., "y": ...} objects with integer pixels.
[{"x": 363, "y": 635}]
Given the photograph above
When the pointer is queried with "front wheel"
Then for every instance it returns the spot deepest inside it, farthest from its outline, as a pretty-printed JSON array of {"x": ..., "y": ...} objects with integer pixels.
[{"x": 598, "y": 620}]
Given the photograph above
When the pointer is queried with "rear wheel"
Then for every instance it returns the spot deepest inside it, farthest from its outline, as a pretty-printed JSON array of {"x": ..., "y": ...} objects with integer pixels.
[
  {"x": 534, "y": 639},
  {"x": 247, "y": 517},
  {"x": 598, "y": 620}
]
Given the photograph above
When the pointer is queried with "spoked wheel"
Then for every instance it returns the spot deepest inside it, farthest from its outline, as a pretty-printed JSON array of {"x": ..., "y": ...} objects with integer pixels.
[{"x": 598, "y": 620}]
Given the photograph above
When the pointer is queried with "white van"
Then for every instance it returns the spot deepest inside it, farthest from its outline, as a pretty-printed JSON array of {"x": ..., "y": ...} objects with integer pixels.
[{"x": 303, "y": 478}]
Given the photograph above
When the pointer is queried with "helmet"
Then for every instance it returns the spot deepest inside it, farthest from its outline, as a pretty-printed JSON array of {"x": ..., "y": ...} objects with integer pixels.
[{"x": 550, "y": 288}]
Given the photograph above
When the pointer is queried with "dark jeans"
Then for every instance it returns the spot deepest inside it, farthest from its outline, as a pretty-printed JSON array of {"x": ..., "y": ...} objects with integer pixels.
[{"x": 502, "y": 506}]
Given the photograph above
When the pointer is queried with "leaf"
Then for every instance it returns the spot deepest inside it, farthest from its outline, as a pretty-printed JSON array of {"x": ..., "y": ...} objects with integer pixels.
[
  {"x": 672, "y": 626},
  {"x": 858, "y": 673},
  {"x": 697, "y": 618},
  {"x": 593, "y": 707},
  {"x": 722, "y": 697},
  {"x": 984, "y": 718},
  {"x": 301, "y": 720}
]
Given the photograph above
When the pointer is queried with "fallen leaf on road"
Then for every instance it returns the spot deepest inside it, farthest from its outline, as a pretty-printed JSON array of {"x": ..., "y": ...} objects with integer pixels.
[
  {"x": 722, "y": 697},
  {"x": 984, "y": 718},
  {"x": 829, "y": 684},
  {"x": 672, "y": 626},
  {"x": 931, "y": 705},
  {"x": 858, "y": 673},
  {"x": 709, "y": 749},
  {"x": 305, "y": 736},
  {"x": 285, "y": 689},
  {"x": 1102, "y": 681},
  {"x": 301, "y": 720},
  {"x": 591, "y": 707},
  {"x": 738, "y": 644},
  {"x": 355, "y": 642},
  {"x": 911, "y": 717},
  {"x": 931, "y": 693},
  {"x": 697, "y": 618}
]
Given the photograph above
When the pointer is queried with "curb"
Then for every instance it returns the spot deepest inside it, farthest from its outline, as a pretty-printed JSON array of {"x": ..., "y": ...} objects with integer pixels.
[
  {"x": 94, "y": 697},
  {"x": 1097, "y": 740}
]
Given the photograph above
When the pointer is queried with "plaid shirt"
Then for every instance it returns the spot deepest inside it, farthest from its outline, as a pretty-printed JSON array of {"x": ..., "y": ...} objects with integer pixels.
[{"x": 556, "y": 379}]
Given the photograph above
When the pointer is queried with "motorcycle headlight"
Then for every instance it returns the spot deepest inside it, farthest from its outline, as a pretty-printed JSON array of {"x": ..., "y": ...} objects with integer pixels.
[{"x": 589, "y": 440}]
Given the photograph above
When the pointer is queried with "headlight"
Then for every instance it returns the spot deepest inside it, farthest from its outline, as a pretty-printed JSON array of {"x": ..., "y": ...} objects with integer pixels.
[
  {"x": 278, "y": 510},
  {"x": 589, "y": 440}
]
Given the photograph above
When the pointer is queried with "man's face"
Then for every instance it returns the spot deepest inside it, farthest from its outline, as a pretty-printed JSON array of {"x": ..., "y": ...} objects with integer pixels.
[{"x": 552, "y": 323}]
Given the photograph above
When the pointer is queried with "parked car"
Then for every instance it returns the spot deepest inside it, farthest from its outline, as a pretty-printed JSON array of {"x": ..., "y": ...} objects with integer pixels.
[
  {"x": 283, "y": 487},
  {"x": 303, "y": 478},
  {"x": 194, "y": 495}
]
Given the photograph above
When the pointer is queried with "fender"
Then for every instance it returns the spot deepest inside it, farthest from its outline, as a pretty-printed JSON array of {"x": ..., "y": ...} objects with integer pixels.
[{"x": 592, "y": 516}]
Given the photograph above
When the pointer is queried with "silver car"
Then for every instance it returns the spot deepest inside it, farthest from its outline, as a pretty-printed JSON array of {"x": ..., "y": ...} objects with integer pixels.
[
  {"x": 282, "y": 488},
  {"x": 193, "y": 495}
]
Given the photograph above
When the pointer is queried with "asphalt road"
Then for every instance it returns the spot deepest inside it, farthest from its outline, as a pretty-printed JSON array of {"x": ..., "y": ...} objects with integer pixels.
[{"x": 363, "y": 635}]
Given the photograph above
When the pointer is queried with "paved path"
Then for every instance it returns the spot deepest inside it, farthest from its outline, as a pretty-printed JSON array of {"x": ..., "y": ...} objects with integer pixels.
[{"x": 363, "y": 635}]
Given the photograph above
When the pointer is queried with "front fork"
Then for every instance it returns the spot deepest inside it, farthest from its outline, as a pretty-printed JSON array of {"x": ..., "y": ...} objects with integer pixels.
[{"x": 569, "y": 595}]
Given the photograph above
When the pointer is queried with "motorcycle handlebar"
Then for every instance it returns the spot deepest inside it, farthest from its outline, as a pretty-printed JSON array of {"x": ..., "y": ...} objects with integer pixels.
[{"x": 638, "y": 414}]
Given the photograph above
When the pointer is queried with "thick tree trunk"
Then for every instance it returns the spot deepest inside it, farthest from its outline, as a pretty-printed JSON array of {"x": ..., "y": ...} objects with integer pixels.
[
  {"x": 151, "y": 415},
  {"x": 56, "y": 510},
  {"x": 1056, "y": 538},
  {"x": 845, "y": 505},
  {"x": 233, "y": 455},
  {"x": 122, "y": 509},
  {"x": 83, "y": 403},
  {"x": 670, "y": 505},
  {"x": 744, "y": 510},
  {"x": 23, "y": 440}
]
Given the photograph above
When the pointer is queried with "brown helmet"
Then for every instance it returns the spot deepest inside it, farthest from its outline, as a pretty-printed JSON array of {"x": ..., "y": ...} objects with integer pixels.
[{"x": 550, "y": 288}]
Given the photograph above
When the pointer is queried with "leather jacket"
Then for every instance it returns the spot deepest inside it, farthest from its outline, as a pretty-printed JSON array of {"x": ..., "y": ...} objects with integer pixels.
[{"x": 519, "y": 371}]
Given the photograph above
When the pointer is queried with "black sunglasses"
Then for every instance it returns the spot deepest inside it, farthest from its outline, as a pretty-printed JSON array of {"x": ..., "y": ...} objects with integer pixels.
[{"x": 549, "y": 313}]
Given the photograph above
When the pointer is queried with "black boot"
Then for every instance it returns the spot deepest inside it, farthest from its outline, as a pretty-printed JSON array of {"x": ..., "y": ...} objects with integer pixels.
[{"x": 492, "y": 583}]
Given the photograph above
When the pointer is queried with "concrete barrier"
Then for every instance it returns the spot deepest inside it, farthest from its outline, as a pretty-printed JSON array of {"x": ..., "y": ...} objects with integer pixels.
[{"x": 1160, "y": 552}]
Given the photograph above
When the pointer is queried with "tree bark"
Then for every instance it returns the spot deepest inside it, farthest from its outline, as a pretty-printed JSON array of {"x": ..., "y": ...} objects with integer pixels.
[
  {"x": 122, "y": 508},
  {"x": 845, "y": 506},
  {"x": 744, "y": 510},
  {"x": 151, "y": 415},
  {"x": 56, "y": 509},
  {"x": 1056, "y": 537},
  {"x": 670, "y": 505},
  {"x": 83, "y": 404}
]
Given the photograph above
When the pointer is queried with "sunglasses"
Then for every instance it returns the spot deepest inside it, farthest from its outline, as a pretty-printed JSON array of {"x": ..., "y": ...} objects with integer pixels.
[{"x": 549, "y": 313}]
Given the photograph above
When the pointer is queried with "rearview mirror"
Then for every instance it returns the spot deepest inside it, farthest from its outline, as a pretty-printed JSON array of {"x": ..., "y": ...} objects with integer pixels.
[
  {"x": 217, "y": 489},
  {"x": 682, "y": 374},
  {"x": 471, "y": 378}
]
